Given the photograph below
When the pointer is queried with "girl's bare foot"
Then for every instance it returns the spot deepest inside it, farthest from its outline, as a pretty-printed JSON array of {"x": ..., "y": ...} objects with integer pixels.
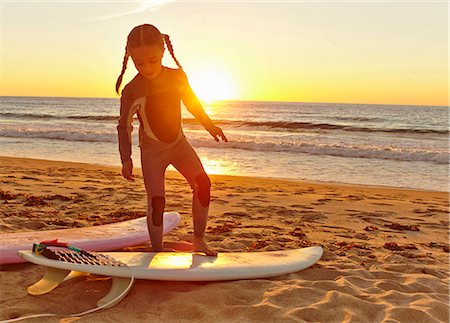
[
  {"x": 162, "y": 249},
  {"x": 201, "y": 246}
]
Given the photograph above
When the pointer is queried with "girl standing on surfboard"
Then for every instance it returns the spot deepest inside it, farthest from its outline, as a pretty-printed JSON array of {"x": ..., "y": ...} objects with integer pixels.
[{"x": 154, "y": 94}]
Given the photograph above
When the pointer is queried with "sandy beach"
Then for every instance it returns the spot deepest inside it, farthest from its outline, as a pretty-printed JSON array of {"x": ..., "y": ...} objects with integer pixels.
[{"x": 386, "y": 251}]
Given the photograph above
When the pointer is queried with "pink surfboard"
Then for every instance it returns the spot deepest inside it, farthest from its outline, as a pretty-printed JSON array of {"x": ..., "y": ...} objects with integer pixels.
[{"x": 95, "y": 238}]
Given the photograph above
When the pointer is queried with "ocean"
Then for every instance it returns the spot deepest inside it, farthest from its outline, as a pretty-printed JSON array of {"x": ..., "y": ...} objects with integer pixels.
[{"x": 384, "y": 145}]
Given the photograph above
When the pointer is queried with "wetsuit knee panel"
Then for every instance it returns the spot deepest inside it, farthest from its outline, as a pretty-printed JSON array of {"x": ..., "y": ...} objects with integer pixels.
[
  {"x": 203, "y": 189},
  {"x": 158, "y": 204}
]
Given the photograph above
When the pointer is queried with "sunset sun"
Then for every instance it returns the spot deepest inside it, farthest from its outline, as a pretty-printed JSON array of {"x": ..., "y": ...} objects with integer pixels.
[{"x": 211, "y": 84}]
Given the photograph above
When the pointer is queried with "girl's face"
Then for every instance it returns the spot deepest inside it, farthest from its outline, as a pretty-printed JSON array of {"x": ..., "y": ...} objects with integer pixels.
[{"x": 147, "y": 59}]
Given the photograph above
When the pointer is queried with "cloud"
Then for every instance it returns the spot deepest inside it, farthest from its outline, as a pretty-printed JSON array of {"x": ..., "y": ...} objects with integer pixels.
[{"x": 142, "y": 6}]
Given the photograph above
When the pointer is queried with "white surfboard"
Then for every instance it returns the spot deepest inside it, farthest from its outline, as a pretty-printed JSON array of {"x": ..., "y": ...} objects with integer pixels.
[
  {"x": 173, "y": 266},
  {"x": 95, "y": 238},
  {"x": 185, "y": 266}
]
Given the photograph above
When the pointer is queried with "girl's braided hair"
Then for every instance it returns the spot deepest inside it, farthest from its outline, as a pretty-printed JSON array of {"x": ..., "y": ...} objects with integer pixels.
[{"x": 140, "y": 36}]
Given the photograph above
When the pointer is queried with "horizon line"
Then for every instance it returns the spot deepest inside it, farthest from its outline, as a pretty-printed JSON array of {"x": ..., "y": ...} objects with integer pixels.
[{"x": 235, "y": 100}]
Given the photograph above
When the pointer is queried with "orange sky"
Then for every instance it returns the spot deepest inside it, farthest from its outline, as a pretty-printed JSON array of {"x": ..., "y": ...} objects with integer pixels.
[{"x": 393, "y": 53}]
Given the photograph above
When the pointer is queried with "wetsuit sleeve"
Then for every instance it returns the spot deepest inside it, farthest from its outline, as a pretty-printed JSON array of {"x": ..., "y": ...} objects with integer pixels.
[
  {"x": 125, "y": 127},
  {"x": 192, "y": 103}
]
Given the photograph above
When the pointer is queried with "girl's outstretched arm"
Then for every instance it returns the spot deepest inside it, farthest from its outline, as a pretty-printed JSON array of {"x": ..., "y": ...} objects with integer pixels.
[
  {"x": 124, "y": 129},
  {"x": 194, "y": 106}
]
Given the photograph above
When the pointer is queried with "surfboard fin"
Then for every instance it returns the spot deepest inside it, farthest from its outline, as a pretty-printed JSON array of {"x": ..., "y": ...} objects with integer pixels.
[
  {"x": 52, "y": 278},
  {"x": 119, "y": 286}
]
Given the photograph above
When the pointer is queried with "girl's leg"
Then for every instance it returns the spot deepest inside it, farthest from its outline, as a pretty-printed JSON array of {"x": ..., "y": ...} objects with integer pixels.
[
  {"x": 155, "y": 212},
  {"x": 186, "y": 161},
  {"x": 153, "y": 165},
  {"x": 200, "y": 208},
  {"x": 200, "y": 203}
]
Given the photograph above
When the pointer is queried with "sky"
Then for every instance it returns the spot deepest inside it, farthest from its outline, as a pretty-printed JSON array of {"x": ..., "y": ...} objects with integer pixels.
[{"x": 304, "y": 51}]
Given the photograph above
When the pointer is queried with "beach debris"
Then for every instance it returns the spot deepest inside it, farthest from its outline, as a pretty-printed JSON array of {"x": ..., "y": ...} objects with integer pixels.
[
  {"x": 398, "y": 226},
  {"x": 6, "y": 195},
  {"x": 123, "y": 215},
  {"x": 226, "y": 227},
  {"x": 395, "y": 247},
  {"x": 35, "y": 201},
  {"x": 392, "y": 246},
  {"x": 348, "y": 246},
  {"x": 298, "y": 232},
  {"x": 435, "y": 245},
  {"x": 371, "y": 228},
  {"x": 257, "y": 245},
  {"x": 306, "y": 243},
  {"x": 445, "y": 247}
]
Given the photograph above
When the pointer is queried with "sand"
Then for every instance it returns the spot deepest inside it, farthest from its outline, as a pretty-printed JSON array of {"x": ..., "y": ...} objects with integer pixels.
[{"x": 386, "y": 251}]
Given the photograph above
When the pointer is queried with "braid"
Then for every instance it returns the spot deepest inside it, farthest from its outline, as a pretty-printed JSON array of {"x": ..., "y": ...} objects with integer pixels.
[
  {"x": 170, "y": 48},
  {"x": 124, "y": 67}
]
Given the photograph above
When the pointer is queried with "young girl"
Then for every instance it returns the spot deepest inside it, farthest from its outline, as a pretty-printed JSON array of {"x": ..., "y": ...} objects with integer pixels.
[{"x": 155, "y": 94}]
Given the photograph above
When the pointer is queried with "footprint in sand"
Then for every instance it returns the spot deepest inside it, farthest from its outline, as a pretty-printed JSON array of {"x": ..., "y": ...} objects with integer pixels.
[
  {"x": 175, "y": 205},
  {"x": 236, "y": 214},
  {"x": 219, "y": 201},
  {"x": 411, "y": 219},
  {"x": 312, "y": 217},
  {"x": 333, "y": 194},
  {"x": 35, "y": 225},
  {"x": 92, "y": 181},
  {"x": 354, "y": 197},
  {"x": 328, "y": 200},
  {"x": 430, "y": 209},
  {"x": 232, "y": 195},
  {"x": 32, "y": 178},
  {"x": 253, "y": 200},
  {"x": 260, "y": 197}
]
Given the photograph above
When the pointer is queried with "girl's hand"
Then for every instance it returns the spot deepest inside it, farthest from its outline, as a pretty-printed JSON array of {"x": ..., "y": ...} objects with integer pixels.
[
  {"x": 217, "y": 132},
  {"x": 127, "y": 170}
]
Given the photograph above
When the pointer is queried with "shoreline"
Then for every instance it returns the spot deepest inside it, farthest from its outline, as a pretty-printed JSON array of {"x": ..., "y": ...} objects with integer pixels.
[
  {"x": 174, "y": 172},
  {"x": 386, "y": 251}
]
